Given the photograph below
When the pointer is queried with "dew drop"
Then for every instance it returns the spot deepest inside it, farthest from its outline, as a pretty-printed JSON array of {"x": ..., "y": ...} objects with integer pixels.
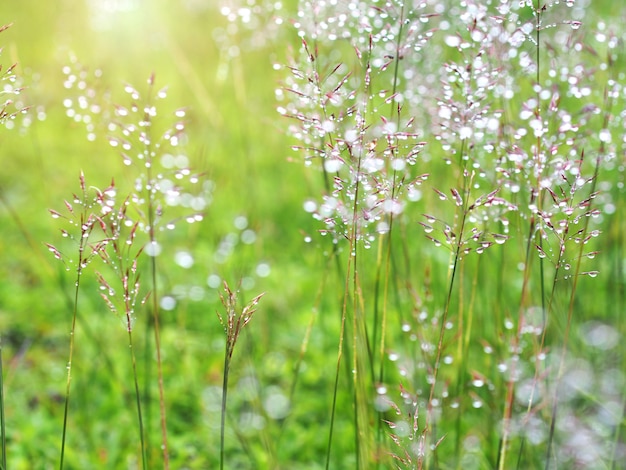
[
  {"x": 605, "y": 136},
  {"x": 542, "y": 254},
  {"x": 499, "y": 239},
  {"x": 153, "y": 249},
  {"x": 574, "y": 24}
]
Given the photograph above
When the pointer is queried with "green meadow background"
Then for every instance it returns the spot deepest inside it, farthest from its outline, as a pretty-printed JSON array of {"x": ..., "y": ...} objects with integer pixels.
[{"x": 254, "y": 234}]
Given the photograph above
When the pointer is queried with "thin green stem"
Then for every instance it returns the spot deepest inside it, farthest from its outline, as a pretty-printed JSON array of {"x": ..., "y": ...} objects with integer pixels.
[
  {"x": 444, "y": 320},
  {"x": 510, "y": 389},
  {"x": 157, "y": 346},
  {"x": 617, "y": 292},
  {"x": 144, "y": 461},
  {"x": 69, "y": 362},
  {"x": 147, "y": 393},
  {"x": 224, "y": 398},
  {"x": 465, "y": 331},
  {"x": 233, "y": 323},
  {"x": 150, "y": 190},
  {"x": 335, "y": 390},
  {"x": 350, "y": 269},
  {"x": 2, "y": 418}
]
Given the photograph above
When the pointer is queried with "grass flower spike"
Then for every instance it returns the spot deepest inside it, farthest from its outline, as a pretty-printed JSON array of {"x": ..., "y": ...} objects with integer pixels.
[{"x": 233, "y": 321}]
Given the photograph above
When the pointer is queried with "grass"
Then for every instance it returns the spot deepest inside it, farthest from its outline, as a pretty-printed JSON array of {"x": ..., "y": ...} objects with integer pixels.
[
  {"x": 433, "y": 214},
  {"x": 233, "y": 321}
]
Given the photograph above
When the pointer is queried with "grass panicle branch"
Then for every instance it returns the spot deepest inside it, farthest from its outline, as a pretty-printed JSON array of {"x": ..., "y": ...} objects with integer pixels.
[
  {"x": 124, "y": 297},
  {"x": 233, "y": 321},
  {"x": 83, "y": 220}
]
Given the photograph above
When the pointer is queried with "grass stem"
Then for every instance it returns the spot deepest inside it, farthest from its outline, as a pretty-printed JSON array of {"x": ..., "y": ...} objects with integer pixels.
[{"x": 3, "y": 457}]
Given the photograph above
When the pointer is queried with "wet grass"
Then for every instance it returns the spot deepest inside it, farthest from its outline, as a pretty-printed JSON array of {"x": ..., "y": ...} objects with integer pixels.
[{"x": 440, "y": 291}]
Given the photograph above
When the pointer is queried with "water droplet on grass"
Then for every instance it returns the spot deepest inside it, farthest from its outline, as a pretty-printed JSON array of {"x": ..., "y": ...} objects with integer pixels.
[
  {"x": 499, "y": 239},
  {"x": 153, "y": 248},
  {"x": 574, "y": 24},
  {"x": 590, "y": 273},
  {"x": 442, "y": 196},
  {"x": 605, "y": 136},
  {"x": 332, "y": 165},
  {"x": 435, "y": 241},
  {"x": 542, "y": 254}
]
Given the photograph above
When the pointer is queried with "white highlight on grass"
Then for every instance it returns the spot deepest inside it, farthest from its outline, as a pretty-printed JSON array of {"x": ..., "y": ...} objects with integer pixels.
[
  {"x": 240, "y": 222},
  {"x": 263, "y": 270},
  {"x": 276, "y": 404},
  {"x": 605, "y": 136},
  {"x": 453, "y": 41},
  {"x": 600, "y": 335},
  {"x": 184, "y": 259},
  {"x": 214, "y": 281},
  {"x": 168, "y": 302},
  {"x": 310, "y": 206},
  {"x": 153, "y": 249},
  {"x": 332, "y": 165}
]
